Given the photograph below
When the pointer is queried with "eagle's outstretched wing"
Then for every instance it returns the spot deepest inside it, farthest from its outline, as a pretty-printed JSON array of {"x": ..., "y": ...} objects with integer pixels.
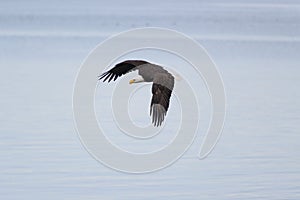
[
  {"x": 121, "y": 69},
  {"x": 161, "y": 92}
]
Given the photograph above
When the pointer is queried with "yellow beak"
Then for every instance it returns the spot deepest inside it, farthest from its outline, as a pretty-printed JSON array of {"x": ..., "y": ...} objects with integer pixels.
[{"x": 131, "y": 81}]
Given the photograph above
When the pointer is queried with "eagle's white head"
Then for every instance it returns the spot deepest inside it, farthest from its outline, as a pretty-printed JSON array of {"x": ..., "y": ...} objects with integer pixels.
[{"x": 137, "y": 79}]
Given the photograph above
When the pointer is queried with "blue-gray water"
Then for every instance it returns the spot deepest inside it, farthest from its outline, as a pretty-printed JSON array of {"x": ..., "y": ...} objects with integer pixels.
[{"x": 256, "y": 47}]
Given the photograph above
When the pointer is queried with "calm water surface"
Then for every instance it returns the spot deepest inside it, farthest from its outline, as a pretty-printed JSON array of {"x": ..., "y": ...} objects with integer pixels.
[{"x": 256, "y": 48}]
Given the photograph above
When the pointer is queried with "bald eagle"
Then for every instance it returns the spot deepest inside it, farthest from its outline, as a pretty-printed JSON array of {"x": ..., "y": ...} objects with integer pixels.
[{"x": 163, "y": 84}]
